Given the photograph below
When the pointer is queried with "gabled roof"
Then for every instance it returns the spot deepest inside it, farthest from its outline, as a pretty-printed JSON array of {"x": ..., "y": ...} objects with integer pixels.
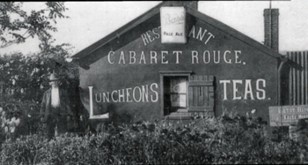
[{"x": 84, "y": 58}]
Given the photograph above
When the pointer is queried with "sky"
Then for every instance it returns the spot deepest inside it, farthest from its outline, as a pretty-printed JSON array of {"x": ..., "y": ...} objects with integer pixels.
[{"x": 91, "y": 21}]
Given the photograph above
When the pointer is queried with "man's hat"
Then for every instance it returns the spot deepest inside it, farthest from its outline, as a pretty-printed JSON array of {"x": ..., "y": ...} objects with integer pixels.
[{"x": 53, "y": 77}]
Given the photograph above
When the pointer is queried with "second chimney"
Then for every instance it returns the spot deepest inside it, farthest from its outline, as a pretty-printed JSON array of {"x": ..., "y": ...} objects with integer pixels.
[{"x": 271, "y": 28}]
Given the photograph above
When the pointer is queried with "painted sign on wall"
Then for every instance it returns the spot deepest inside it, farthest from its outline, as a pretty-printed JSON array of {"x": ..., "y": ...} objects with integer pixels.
[
  {"x": 173, "y": 24},
  {"x": 128, "y": 80},
  {"x": 286, "y": 115}
]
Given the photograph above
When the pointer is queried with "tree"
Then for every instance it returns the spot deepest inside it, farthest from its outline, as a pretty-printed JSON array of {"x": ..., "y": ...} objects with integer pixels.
[
  {"x": 23, "y": 79},
  {"x": 16, "y": 24}
]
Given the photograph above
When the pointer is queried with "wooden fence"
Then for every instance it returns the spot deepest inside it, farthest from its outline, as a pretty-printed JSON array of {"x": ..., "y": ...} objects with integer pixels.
[{"x": 298, "y": 79}]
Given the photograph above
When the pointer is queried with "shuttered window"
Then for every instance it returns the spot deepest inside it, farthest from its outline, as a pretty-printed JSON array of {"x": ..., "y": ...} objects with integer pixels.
[
  {"x": 201, "y": 94},
  {"x": 185, "y": 95}
]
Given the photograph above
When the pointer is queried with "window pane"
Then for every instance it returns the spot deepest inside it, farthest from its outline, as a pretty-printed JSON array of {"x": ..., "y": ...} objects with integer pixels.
[
  {"x": 178, "y": 85},
  {"x": 178, "y": 100}
]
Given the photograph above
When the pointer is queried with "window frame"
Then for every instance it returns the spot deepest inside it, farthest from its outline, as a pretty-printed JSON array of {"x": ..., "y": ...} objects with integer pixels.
[{"x": 164, "y": 74}]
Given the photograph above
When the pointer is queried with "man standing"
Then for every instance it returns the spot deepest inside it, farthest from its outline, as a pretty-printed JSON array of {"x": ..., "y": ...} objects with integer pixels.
[{"x": 55, "y": 112}]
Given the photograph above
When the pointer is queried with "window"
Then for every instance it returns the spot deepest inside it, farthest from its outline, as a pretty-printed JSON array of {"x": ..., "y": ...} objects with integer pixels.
[
  {"x": 175, "y": 94},
  {"x": 185, "y": 95}
]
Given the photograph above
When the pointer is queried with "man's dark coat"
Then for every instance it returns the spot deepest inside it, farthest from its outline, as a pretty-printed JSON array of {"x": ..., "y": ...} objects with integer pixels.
[{"x": 46, "y": 109}]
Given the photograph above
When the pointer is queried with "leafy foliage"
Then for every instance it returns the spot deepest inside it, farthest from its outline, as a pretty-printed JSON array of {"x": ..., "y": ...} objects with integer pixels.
[
  {"x": 23, "y": 81},
  {"x": 26, "y": 77},
  {"x": 16, "y": 24},
  {"x": 229, "y": 139}
]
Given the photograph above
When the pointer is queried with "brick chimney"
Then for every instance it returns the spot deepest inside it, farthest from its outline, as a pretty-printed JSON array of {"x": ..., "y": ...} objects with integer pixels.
[
  {"x": 191, "y": 4},
  {"x": 271, "y": 28}
]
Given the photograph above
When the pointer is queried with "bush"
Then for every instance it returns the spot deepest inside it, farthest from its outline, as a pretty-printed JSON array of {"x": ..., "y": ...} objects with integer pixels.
[
  {"x": 27, "y": 150},
  {"x": 228, "y": 139}
]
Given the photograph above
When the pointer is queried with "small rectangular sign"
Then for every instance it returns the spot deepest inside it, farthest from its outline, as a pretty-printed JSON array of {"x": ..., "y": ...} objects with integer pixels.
[
  {"x": 286, "y": 115},
  {"x": 172, "y": 21}
]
